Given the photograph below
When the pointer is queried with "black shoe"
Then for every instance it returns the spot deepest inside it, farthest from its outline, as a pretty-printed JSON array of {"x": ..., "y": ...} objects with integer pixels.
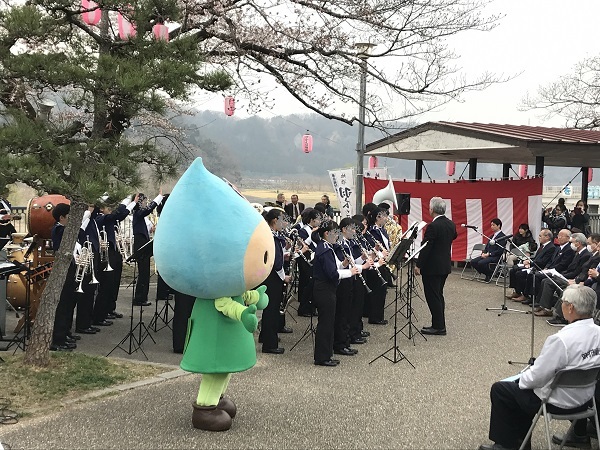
[
  {"x": 146, "y": 303},
  {"x": 488, "y": 278},
  {"x": 572, "y": 440},
  {"x": 86, "y": 330},
  {"x": 70, "y": 340},
  {"x": 114, "y": 315},
  {"x": 494, "y": 447},
  {"x": 433, "y": 331},
  {"x": 379, "y": 322},
  {"x": 392, "y": 285},
  {"x": 358, "y": 341},
  {"x": 60, "y": 348},
  {"x": 276, "y": 351},
  {"x": 65, "y": 345},
  {"x": 96, "y": 329},
  {"x": 328, "y": 363},
  {"x": 304, "y": 314},
  {"x": 590, "y": 429},
  {"x": 365, "y": 334},
  {"x": 344, "y": 351},
  {"x": 286, "y": 330},
  {"x": 103, "y": 323},
  {"x": 74, "y": 336}
]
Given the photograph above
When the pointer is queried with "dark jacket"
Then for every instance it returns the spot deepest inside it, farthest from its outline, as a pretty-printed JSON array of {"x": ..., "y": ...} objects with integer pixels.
[
  {"x": 435, "y": 258},
  {"x": 289, "y": 209},
  {"x": 519, "y": 240},
  {"x": 592, "y": 263},
  {"x": 496, "y": 250},
  {"x": 562, "y": 258},
  {"x": 579, "y": 260},
  {"x": 544, "y": 255}
]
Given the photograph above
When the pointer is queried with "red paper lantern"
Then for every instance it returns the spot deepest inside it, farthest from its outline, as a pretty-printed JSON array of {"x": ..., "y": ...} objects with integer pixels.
[
  {"x": 126, "y": 28},
  {"x": 229, "y": 106},
  {"x": 450, "y": 168},
  {"x": 523, "y": 171},
  {"x": 161, "y": 32},
  {"x": 373, "y": 162},
  {"x": 307, "y": 143},
  {"x": 590, "y": 174},
  {"x": 91, "y": 17}
]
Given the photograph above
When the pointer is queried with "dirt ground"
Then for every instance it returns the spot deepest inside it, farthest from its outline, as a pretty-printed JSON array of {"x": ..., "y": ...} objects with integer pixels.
[{"x": 309, "y": 198}]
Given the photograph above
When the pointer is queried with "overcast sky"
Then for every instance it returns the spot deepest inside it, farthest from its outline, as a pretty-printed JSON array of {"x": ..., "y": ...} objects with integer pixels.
[{"x": 537, "y": 39}]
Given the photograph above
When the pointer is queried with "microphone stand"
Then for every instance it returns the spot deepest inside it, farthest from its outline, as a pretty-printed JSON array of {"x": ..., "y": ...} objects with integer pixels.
[
  {"x": 503, "y": 308},
  {"x": 533, "y": 267}
]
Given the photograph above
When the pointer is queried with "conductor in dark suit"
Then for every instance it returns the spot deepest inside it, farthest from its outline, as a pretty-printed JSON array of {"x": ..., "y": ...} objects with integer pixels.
[
  {"x": 295, "y": 208},
  {"x": 492, "y": 252},
  {"x": 434, "y": 264}
]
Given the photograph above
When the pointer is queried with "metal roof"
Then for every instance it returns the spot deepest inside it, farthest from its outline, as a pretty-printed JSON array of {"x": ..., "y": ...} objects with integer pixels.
[{"x": 492, "y": 143}]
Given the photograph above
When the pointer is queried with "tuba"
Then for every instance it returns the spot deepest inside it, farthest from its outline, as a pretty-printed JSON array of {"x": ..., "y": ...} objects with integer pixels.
[
  {"x": 388, "y": 193},
  {"x": 104, "y": 244}
]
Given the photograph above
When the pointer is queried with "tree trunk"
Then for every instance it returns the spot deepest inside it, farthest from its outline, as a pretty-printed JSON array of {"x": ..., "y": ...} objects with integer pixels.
[{"x": 38, "y": 349}]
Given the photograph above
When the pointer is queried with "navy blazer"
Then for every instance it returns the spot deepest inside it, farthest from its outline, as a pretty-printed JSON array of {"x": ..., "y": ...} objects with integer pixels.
[
  {"x": 591, "y": 263},
  {"x": 544, "y": 255},
  {"x": 576, "y": 265},
  {"x": 562, "y": 258},
  {"x": 435, "y": 258},
  {"x": 138, "y": 222},
  {"x": 325, "y": 264},
  {"x": 497, "y": 249},
  {"x": 279, "y": 245},
  {"x": 108, "y": 221}
]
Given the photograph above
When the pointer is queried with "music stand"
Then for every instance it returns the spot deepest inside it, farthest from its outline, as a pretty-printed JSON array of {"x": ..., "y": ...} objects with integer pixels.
[
  {"x": 135, "y": 343},
  {"x": 396, "y": 259},
  {"x": 18, "y": 339},
  {"x": 7, "y": 269}
]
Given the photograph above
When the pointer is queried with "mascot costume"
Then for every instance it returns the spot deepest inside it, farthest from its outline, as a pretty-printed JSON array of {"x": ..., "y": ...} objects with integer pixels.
[{"x": 213, "y": 245}]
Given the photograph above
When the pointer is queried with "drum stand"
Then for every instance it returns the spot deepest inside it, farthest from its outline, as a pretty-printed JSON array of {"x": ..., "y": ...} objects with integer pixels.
[
  {"x": 21, "y": 336},
  {"x": 135, "y": 342}
]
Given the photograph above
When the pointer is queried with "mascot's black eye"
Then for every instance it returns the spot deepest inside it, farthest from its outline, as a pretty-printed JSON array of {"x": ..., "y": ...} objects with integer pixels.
[{"x": 266, "y": 256}]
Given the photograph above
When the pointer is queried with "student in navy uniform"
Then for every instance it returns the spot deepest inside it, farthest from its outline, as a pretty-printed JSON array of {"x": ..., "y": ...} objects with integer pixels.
[
  {"x": 108, "y": 290},
  {"x": 6, "y": 226},
  {"x": 356, "y": 329},
  {"x": 140, "y": 238},
  {"x": 311, "y": 219},
  {"x": 271, "y": 317},
  {"x": 327, "y": 272},
  {"x": 62, "y": 339},
  {"x": 379, "y": 240}
]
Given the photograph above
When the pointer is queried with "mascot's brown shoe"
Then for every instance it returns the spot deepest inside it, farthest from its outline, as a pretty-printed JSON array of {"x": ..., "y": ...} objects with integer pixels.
[
  {"x": 227, "y": 405},
  {"x": 210, "y": 418}
]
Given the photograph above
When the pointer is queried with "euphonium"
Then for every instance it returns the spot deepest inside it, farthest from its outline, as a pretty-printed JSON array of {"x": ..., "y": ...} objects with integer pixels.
[{"x": 104, "y": 249}]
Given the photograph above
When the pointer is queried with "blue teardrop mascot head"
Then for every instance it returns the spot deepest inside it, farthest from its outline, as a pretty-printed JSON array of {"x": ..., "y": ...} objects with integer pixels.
[{"x": 210, "y": 243}]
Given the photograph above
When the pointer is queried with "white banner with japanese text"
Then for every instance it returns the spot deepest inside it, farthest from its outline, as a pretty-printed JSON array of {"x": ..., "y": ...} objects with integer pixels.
[
  {"x": 377, "y": 173},
  {"x": 342, "y": 181}
]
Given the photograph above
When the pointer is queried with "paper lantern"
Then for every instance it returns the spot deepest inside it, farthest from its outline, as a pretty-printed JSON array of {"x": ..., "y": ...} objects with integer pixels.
[
  {"x": 229, "y": 106},
  {"x": 523, "y": 171},
  {"x": 590, "y": 174},
  {"x": 126, "y": 28},
  {"x": 307, "y": 143},
  {"x": 91, "y": 17},
  {"x": 161, "y": 32},
  {"x": 373, "y": 162},
  {"x": 450, "y": 168}
]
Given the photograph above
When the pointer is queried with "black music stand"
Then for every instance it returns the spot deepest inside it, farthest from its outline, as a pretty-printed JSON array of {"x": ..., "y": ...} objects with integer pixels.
[
  {"x": 21, "y": 336},
  {"x": 135, "y": 343},
  {"x": 410, "y": 290},
  {"x": 396, "y": 259}
]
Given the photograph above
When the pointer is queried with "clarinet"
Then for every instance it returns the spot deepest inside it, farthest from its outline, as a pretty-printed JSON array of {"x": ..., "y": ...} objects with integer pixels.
[
  {"x": 302, "y": 255},
  {"x": 362, "y": 249},
  {"x": 353, "y": 264},
  {"x": 287, "y": 296}
]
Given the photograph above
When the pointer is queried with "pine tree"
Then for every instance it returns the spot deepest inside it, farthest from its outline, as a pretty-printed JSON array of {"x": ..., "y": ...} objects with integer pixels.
[{"x": 111, "y": 95}]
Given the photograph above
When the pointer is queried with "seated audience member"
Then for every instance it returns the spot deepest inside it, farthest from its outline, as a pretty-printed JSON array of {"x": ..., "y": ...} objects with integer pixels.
[
  {"x": 327, "y": 203},
  {"x": 515, "y": 403},
  {"x": 490, "y": 256},
  {"x": 524, "y": 241}
]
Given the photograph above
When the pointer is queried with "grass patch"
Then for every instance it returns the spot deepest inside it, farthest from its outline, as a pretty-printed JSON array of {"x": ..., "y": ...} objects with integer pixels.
[{"x": 68, "y": 376}]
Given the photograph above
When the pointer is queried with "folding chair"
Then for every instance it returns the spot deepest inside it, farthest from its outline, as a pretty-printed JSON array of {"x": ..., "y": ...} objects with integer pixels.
[
  {"x": 475, "y": 252},
  {"x": 504, "y": 269},
  {"x": 575, "y": 378}
]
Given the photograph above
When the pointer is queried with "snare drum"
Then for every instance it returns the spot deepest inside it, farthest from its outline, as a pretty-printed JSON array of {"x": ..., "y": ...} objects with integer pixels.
[
  {"x": 17, "y": 254},
  {"x": 18, "y": 238}
]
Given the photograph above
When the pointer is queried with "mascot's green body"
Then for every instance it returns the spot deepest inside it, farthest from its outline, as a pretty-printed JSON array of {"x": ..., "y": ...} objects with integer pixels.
[{"x": 213, "y": 245}]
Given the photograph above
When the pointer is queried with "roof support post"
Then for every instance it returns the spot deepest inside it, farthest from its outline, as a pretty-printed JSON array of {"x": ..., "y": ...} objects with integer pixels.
[
  {"x": 539, "y": 166},
  {"x": 472, "y": 169},
  {"x": 506, "y": 171},
  {"x": 584, "y": 183},
  {"x": 419, "y": 170}
]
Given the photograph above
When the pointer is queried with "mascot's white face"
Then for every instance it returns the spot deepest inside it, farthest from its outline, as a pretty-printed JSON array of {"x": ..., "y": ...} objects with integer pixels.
[{"x": 210, "y": 242}]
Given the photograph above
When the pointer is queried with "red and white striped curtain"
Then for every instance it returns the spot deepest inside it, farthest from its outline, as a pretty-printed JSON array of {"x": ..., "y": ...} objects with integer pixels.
[{"x": 512, "y": 201}]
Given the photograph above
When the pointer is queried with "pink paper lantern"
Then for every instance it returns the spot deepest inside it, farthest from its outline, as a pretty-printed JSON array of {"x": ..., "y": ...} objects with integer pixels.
[
  {"x": 91, "y": 17},
  {"x": 229, "y": 106},
  {"x": 161, "y": 32},
  {"x": 307, "y": 143},
  {"x": 590, "y": 174},
  {"x": 450, "y": 168},
  {"x": 523, "y": 171},
  {"x": 127, "y": 29},
  {"x": 373, "y": 162}
]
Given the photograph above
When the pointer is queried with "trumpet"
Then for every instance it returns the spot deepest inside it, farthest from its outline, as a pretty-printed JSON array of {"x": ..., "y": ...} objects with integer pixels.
[
  {"x": 122, "y": 241},
  {"x": 104, "y": 249},
  {"x": 84, "y": 263}
]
